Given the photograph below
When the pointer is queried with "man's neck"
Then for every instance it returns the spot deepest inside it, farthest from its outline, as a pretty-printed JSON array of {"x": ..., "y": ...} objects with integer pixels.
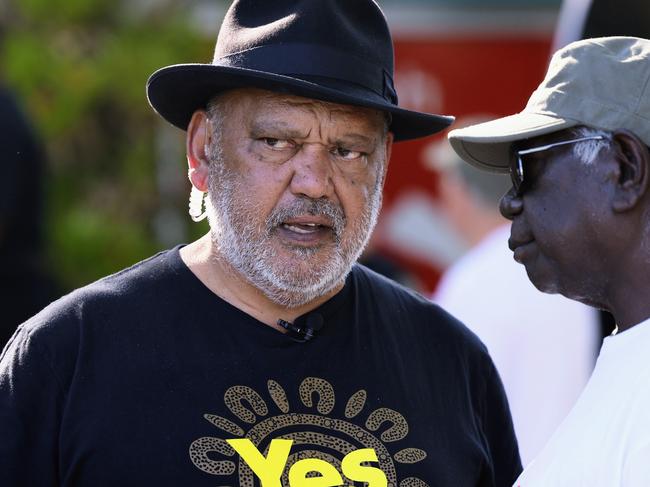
[
  {"x": 627, "y": 293},
  {"x": 219, "y": 277}
]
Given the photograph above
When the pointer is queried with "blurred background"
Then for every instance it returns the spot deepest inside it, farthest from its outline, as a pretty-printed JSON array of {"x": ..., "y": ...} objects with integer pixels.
[{"x": 93, "y": 181}]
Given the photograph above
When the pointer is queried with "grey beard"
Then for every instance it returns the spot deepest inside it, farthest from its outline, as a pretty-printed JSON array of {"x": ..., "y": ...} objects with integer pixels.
[{"x": 247, "y": 248}]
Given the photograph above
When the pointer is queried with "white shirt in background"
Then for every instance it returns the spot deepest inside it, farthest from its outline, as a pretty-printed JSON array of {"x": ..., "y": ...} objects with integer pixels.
[
  {"x": 605, "y": 440},
  {"x": 544, "y": 346}
]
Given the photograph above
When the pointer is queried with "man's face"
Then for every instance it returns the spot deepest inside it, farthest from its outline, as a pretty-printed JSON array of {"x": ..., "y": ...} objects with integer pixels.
[
  {"x": 295, "y": 189},
  {"x": 559, "y": 220}
]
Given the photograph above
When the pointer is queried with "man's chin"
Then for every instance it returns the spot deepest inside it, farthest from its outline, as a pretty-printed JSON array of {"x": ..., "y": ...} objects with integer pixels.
[
  {"x": 295, "y": 289},
  {"x": 308, "y": 258},
  {"x": 300, "y": 278},
  {"x": 307, "y": 272},
  {"x": 541, "y": 280}
]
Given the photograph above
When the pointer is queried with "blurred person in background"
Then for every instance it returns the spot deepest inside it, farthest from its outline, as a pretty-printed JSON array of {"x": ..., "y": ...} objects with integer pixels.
[
  {"x": 582, "y": 19},
  {"x": 25, "y": 285},
  {"x": 543, "y": 346},
  {"x": 261, "y": 351},
  {"x": 579, "y": 161}
]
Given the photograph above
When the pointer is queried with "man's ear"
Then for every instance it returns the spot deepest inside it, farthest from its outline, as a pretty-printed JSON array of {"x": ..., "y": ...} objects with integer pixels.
[
  {"x": 633, "y": 160},
  {"x": 197, "y": 143}
]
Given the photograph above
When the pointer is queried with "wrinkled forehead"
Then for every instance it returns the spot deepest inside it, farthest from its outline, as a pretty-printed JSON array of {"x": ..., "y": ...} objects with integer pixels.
[{"x": 260, "y": 103}]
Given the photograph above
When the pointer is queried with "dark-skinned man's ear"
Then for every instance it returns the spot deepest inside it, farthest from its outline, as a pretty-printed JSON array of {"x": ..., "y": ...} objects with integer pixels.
[{"x": 633, "y": 158}]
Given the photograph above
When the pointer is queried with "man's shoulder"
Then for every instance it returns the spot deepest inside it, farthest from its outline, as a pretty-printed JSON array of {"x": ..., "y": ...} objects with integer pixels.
[
  {"x": 371, "y": 284},
  {"x": 385, "y": 292},
  {"x": 407, "y": 307},
  {"x": 104, "y": 296},
  {"x": 110, "y": 311},
  {"x": 139, "y": 278}
]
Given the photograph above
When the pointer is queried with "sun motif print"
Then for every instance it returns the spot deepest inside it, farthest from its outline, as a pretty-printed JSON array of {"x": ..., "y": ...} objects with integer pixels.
[{"x": 318, "y": 434}]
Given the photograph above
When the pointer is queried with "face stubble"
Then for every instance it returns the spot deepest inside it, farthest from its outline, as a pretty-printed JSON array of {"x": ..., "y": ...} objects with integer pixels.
[{"x": 245, "y": 242}]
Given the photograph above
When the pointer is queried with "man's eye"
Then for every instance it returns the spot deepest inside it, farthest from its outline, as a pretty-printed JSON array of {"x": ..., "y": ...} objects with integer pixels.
[
  {"x": 348, "y": 154},
  {"x": 277, "y": 143}
]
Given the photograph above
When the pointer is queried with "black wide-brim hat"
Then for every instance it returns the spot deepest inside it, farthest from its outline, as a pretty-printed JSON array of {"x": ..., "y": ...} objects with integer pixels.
[{"x": 333, "y": 50}]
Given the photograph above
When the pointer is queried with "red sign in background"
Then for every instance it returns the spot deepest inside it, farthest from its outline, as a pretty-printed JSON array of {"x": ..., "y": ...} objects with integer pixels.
[{"x": 460, "y": 77}]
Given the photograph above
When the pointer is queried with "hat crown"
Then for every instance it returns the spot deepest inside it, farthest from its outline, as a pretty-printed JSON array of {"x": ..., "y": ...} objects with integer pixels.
[
  {"x": 354, "y": 28},
  {"x": 602, "y": 82},
  {"x": 338, "y": 51}
]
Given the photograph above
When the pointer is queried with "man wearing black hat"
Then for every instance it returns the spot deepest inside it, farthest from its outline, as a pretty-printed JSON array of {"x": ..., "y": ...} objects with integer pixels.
[{"x": 261, "y": 354}]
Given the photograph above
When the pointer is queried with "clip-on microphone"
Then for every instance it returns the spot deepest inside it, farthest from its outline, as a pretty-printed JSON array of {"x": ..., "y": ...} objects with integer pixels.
[{"x": 314, "y": 322}]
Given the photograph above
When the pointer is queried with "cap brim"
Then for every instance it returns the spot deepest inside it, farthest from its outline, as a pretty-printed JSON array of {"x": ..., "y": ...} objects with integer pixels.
[
  {"x": 487, "y": 145},
  {"x": 175, "y": 92}
]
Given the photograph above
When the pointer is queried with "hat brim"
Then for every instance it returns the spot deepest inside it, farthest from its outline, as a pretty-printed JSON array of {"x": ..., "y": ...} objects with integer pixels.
[
  {"x": 487, "y": 145},
  {"x": 175, "y": 92}
]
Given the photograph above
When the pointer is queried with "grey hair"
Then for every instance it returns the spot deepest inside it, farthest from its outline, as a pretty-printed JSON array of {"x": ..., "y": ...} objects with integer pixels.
[
  {"x": 388, "y": 120},
  {"x": 215, "y": 107},
  {"x": 217, "y": 113},
  {"x": 588, "y": 150}
]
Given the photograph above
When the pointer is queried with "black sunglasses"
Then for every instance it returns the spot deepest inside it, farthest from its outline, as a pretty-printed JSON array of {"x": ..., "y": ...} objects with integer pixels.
[{"x": 517, "y": 165}]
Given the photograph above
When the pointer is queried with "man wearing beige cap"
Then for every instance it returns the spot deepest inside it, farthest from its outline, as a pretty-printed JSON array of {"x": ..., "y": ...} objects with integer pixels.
[{"x": 579, "y": 161}]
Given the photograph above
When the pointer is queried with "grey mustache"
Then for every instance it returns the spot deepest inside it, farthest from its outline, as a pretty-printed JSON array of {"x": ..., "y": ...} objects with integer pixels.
[{"x": 308, "y": 206}]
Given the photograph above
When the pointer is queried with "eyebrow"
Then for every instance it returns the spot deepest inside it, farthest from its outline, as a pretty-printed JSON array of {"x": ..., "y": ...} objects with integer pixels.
[
  {"x": 259, "y": 127},
  {"x": 356, "y": 138}
]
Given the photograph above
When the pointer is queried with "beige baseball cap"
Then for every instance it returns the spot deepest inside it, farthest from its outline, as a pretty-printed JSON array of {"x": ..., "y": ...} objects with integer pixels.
[{"x": 602, "y": 83}]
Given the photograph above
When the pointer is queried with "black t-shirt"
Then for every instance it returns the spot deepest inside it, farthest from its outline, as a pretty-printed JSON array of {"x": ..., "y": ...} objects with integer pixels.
[{"x": 139, "y": 378}]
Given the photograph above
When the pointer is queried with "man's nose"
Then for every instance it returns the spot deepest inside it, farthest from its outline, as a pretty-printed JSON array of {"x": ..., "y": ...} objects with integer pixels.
[
  {"x": 313, "y": 172},
  {"x": 511, "y": 204}
]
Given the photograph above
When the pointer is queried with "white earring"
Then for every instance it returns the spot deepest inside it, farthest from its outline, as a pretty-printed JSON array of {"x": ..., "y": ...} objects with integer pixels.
[{"x": 197, "y": 209}]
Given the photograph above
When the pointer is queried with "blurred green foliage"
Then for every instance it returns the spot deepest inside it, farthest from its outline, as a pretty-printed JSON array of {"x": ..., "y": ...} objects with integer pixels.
[{"x": 80, "y": 68}]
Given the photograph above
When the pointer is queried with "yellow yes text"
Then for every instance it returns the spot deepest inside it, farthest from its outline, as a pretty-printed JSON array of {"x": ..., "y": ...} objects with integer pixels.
[{"x": 269, "y": 469}]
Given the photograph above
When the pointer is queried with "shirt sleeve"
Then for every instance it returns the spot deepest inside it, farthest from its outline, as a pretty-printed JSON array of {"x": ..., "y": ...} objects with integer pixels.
[
  {"x": 499, "y": 430},
  {"x": 31, "y": 399}
]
